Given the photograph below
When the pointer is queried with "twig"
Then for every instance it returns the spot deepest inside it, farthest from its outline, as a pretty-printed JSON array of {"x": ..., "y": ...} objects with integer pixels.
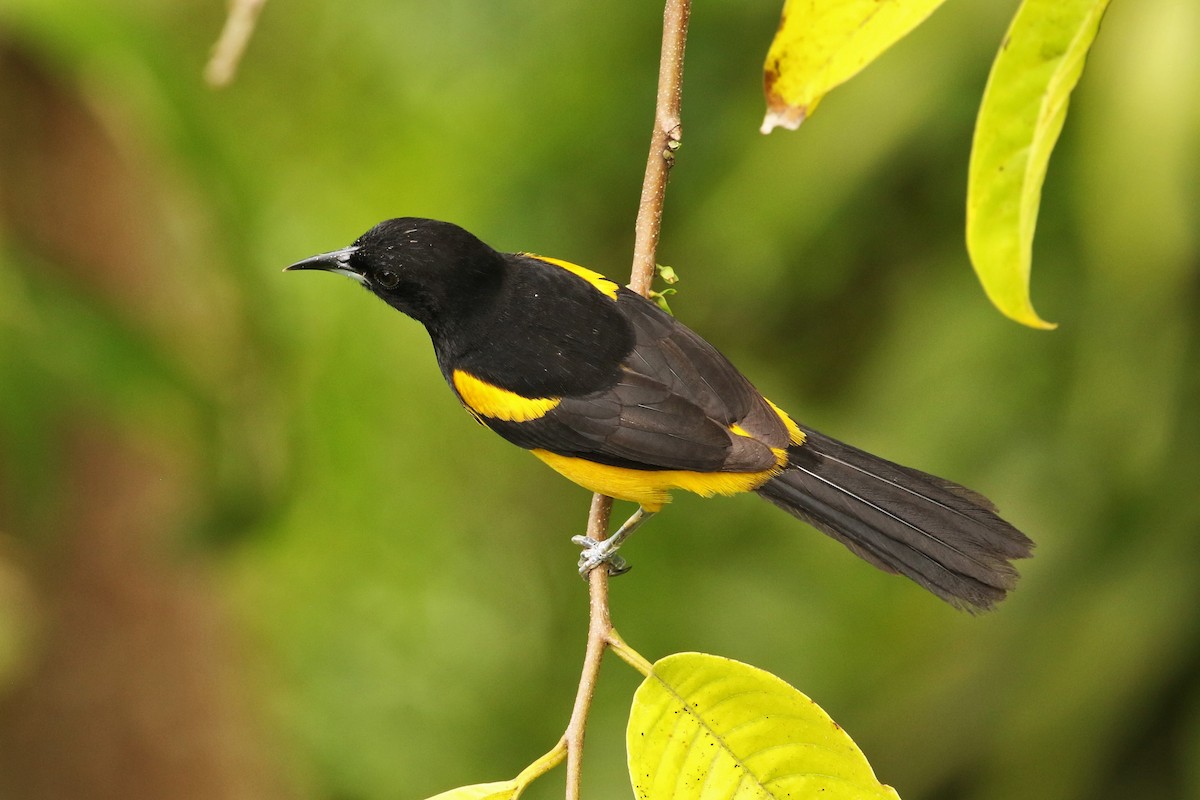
[
  {"x": 227, "y": 54},
  {"x": 664, "y": 141},
  {"x": 599, "y": 630}
]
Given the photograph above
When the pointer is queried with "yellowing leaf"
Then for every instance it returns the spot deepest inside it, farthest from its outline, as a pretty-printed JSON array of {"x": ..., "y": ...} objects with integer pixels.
[
  {"x": 1020, "y": 118},
  {"x": 705, "y": 726},
  {"x": 503, "y": 790},
  {"x": 823, "y": 43}
]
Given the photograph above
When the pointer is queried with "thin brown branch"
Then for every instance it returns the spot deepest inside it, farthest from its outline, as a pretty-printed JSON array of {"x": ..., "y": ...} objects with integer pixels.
[
  {"x": 599, "y": 628},
  {"x": 227, "y": 54},
  {"x": 664, "y": 142}
]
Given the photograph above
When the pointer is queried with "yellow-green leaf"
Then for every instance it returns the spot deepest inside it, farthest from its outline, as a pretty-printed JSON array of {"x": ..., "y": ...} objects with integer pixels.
[
  {"x": 502, "y": 790},
  {"x": 1020, "y": 118},
  {"x": 823, "y": 43},
  {"x": 705, "y": 726}
]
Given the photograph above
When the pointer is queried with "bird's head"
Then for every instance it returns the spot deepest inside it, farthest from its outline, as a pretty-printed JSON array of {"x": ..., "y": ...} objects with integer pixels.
[{"x": 433, "y": 271}]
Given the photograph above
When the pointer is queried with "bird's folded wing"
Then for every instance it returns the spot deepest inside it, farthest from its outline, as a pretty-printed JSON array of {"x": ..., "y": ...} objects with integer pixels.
[{"x": 677, "y": 404}]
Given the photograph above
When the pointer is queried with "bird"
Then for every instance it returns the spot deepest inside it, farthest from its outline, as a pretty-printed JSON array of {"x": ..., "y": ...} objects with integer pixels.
[{"x": 617, "y": 395}]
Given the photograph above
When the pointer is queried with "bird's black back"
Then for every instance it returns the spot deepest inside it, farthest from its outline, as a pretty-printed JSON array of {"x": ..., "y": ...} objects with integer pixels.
[{"x": 545, "y": 333}]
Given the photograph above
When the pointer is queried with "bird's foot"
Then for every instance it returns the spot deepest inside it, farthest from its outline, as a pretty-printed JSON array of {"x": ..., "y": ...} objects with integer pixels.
[{"x": 596, "y": 553}]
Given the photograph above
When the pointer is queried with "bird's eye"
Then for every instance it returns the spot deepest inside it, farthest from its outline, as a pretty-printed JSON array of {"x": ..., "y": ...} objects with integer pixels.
[{"x": 387, "y": 279}]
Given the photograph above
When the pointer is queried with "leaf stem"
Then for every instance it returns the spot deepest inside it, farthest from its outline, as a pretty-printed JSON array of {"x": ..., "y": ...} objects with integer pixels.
[
  {"x": 543, "y": 765},
  {"x": 627, "y": 654}
]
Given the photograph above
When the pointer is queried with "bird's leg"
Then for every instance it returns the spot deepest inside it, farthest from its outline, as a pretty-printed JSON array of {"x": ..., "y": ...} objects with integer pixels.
[{"x": 605, "y": 552}]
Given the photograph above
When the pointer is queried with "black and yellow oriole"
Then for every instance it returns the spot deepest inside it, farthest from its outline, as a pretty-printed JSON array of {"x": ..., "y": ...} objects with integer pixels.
[{"x": 623, "y": 399}]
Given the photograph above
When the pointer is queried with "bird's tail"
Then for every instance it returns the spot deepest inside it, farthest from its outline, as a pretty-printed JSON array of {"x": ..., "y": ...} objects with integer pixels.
[{"x": 944, "y": 536}]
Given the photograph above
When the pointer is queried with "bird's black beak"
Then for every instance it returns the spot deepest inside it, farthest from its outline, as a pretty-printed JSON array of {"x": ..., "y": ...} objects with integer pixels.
[{"x": 336, "y": 261}]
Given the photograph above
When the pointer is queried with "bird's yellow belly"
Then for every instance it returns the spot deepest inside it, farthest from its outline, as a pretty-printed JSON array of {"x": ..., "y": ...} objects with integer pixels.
[{"x": 651, "y": 489}]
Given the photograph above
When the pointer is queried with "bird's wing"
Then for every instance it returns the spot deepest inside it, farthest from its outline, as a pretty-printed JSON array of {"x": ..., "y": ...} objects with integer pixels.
[{"x": 677, "y": 404}]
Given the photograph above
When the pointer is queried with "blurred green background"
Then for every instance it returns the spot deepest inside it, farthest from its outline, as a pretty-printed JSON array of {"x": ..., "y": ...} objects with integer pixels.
[{"x": 251, "y": 547}]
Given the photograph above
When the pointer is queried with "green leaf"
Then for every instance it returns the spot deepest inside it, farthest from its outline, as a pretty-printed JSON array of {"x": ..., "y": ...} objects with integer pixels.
[
  {"x": 1020, "y": 118},
  {"x": 707, "y": 726},
  {"x": 502, "y": 790},
  {"x": 820, "y": 45}
]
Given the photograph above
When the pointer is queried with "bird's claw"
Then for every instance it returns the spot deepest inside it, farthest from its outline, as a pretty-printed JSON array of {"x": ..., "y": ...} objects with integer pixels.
[{"x": 596, "y": 553}]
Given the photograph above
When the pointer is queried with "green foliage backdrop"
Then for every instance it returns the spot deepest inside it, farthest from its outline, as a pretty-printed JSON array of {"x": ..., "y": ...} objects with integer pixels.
[{"x": 250, "y": 547}]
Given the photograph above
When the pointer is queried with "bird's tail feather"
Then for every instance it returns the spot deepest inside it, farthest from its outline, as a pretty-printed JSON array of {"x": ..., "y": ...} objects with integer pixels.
[{"x": 944, "y": 536}]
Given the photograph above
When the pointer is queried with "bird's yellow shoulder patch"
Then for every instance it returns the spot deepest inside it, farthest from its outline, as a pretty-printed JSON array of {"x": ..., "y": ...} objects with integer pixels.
[
  {"x": 651, "y": 489},
  {"x": 601, "y": 283},
  {"x": 486, "y": 400},
  {"x": 794, "y": 432}
]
